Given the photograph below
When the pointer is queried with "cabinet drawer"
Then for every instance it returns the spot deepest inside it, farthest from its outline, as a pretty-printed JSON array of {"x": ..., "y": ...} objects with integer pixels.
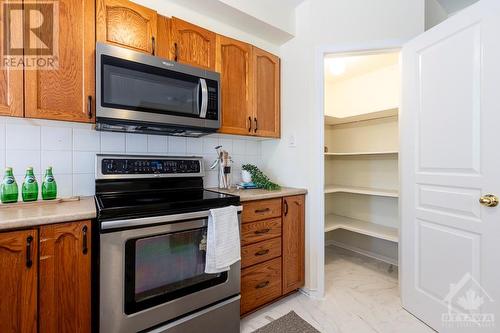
[
  {"x": 260, "y": 284},
  {"x": 260, "y": 252},
  {"x": 261, "y": 210},
  {"x": 259, "y": 231}
]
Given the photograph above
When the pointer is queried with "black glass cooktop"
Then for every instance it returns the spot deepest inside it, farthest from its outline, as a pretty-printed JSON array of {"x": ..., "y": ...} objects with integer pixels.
[{"x": 112, "y": 206}]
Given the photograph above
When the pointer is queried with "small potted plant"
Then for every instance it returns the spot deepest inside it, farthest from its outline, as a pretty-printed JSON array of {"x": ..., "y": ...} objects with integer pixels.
[{"x": 259, "y": 178}]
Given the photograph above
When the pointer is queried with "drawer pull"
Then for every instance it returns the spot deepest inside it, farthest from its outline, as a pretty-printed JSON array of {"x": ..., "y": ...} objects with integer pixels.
[
  {"x": 262, "y": 285},
  {"x": 262, "y": 252},
  {"x": 260, "y": 211},
  {"x": 261, "y": 232}
]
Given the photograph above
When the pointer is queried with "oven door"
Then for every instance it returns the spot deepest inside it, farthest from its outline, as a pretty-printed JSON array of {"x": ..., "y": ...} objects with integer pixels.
[{"x": 154, "y": 274}]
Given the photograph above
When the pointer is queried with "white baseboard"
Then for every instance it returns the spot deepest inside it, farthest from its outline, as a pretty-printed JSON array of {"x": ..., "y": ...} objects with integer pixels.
[
  {"x": 356, "y": 249},
  {"x": 312, "y": 293}
]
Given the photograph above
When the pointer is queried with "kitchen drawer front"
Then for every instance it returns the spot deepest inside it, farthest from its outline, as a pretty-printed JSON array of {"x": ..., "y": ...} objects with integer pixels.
[
  {"x": 260, "y": 252},
  {"x": 261, "y": 210},
  {"x": 260, "y": 231},
  {"x": 260, "y": 284}
]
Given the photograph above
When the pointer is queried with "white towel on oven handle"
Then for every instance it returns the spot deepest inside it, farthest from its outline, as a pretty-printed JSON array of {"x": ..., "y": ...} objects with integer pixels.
[{"x": 223, "y": 240}]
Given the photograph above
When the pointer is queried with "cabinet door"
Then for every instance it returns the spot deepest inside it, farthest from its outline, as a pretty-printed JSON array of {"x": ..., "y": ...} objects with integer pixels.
[
  {"x": 11, "y": 80},
  {"x": 293, "y": 242},
  {"x": 267, "y": 94},
  {"x": 67, "y": 92},
  {"x": 126, "y": 24},
  {"x": 234, "y": 62},
  {"x": 18, "y": 280},
  {"x": 192, "y": 44},
  {"x": 65, "y": 287},
  {"x": 164, "y": 38}
]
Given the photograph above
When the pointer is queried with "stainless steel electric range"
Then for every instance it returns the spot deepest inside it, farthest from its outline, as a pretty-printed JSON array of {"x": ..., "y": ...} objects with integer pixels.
[{"x": 149, "y": 268}]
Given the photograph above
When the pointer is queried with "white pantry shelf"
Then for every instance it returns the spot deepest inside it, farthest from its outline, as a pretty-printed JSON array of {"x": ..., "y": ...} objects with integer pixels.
[
  {"x": 364, "y": 153},
  {"x": 329, "y": 120},
  {"x": 334, "y": 222},
  {"x": 361, "y": 190}
]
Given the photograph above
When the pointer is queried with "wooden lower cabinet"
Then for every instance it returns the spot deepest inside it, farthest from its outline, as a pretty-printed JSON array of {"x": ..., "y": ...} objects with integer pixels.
[
  {"x": 293, "y": 242},
  {"x": 46, "y": 279},
  {"x": 18, "y": 280},
  {"x": 65, "y": 277},
  {"x": 272, "y": 253},
  {"x": 260, "y": 284}
]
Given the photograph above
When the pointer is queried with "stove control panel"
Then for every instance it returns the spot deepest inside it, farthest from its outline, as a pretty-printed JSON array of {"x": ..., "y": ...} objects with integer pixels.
[{"x": 149, "y": 166}]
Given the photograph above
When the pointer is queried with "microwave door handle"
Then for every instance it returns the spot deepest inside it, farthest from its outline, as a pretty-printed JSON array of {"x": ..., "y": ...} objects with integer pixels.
[{"x": 204, "y": 98}]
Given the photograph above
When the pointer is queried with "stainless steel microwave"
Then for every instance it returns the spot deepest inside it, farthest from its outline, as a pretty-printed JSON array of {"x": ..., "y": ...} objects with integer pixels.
[{"x": 136, "y": 92}]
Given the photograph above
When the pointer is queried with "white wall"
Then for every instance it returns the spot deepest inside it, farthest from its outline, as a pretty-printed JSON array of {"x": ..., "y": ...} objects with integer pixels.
[
  {"x": 377, "y": 90},
  {"x": 222, "y": 24},
  {"x": 320, "y": 23},
  {"x": 434, "y": 13},
  {"x": 70, "y": 148}
]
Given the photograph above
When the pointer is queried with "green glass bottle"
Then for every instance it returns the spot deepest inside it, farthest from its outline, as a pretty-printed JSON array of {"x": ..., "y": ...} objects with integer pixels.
[
  {"x": 30, "y": 186},
  {"x": 8, "y": 190},
  {"x": 49, "y": 186}
]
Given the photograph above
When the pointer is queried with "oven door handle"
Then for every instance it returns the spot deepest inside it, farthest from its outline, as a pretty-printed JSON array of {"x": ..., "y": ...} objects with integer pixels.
[
  {"x": 117, "y": 224},
  {"x": 204, "y": 98}
]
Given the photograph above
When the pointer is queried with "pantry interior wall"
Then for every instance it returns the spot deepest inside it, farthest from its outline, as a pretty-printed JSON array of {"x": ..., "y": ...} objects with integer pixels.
[{"x": 297, "y": 159}]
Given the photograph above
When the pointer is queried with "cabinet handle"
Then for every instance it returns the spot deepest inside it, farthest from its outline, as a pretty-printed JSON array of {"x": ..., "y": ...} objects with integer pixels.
[
  {"x": 84, "y": 244},
  {"x": 176, "y": 52},
  {"x": 29, "y": 262},
  {"x": 249, "y": 124},
  {"x": 261, "y": 252},
  {"x": 286, "y": 208},
  {"x": 255, "y": 129},
  {"x": 89, "y": 107},
  {"x": 262, "y": 285},
  {"x": 260, "y": 211},
  {"x": 153, "y": 45},
  {"x": 261, "y": 232}
]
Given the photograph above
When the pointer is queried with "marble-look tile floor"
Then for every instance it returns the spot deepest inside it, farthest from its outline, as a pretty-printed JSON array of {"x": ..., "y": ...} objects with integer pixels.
[{"x": 361, "y": 296}]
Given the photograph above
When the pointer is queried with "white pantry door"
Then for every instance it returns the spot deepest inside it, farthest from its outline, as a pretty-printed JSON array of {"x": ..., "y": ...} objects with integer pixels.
[{"x": 450, "y": 157}]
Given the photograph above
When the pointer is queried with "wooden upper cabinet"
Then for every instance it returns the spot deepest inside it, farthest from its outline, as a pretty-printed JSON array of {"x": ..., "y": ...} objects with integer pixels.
[
  {"x": 267, "y": 94},
  {"x": 65, "y": 277},
  {"x": 234, "y": 63},
  {"x": 164, "y": 38},
  {"x": 11, "y": 80},
  {"x": 126, "y": 24},
  {"x": 192, "y": 44},
  {"x": 293, "y": 234},
  {"x": 18, "y": 280},
  {"x": 67, "y": 91}
]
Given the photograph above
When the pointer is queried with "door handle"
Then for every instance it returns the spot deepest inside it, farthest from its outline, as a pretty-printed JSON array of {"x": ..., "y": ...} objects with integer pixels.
[
  {"x": 153, "y": 45},
  {"x": 176, "y": 52},
  {"x": 84, "y": 245},
  {"x": 204, "y": 98},
  {"x": 255, "y": 129},
  {"x": 29, "y": 261},
  {"x": 89, "y": 107},
  {"x": 286, "y": 207},
  {"x": 249, "y": 124},
  {"x": 489, "y": 200}
]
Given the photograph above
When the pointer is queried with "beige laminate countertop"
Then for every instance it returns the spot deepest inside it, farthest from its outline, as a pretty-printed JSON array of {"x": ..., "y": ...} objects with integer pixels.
[
  {"x": 260, "y": 194},
  {"x": 32, "y": 215}
]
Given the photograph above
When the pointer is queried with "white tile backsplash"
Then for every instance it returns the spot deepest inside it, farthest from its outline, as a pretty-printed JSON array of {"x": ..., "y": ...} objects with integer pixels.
[
  {"x": 57, "y": 138},
  {"x": 58, "y": 160},
  {"x": 86, "y": 140},
  {"x": 70, "y": 148},
  {"x": 157, "y": 144},
  {"x": 25, "y": 137},
  {"x": 136, "y": 143}
]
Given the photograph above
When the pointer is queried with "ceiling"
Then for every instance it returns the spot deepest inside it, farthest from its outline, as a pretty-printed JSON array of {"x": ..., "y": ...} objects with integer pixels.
[
  {"x": 452, "y": 6},
  {"x": 350, "y": 66}
]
